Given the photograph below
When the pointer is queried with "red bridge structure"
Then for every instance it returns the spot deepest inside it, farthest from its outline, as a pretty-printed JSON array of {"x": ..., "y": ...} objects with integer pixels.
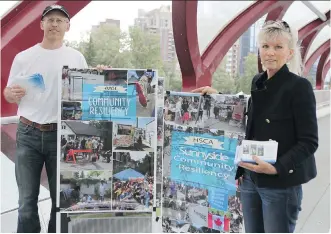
[
  {"x": 196, "y": 69},
  {"x": 20, "y": 29}
]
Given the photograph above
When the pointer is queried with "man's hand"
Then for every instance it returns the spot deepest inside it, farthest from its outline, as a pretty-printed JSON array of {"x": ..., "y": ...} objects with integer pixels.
[
  {"x": 14, "y": 93},
  {"x": 205, "y": 90},
  {"x": 261, "y": 167}
]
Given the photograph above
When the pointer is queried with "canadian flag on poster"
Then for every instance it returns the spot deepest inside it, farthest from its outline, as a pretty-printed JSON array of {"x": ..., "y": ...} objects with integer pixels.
[{"x": 221, "y": 223}]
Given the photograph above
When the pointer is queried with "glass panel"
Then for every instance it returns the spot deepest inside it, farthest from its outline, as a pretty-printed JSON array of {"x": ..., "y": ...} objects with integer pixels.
[
  {"x": 322, "y": 6},
  {"x": 213, "y": 16},
  {"x": 5, "y": 6},
  {"x": 323, "y": 35},
  {"x": 299, "y": 20}
]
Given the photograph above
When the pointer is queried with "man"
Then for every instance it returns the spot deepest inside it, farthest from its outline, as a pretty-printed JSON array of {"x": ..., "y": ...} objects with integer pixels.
[{"x": 37, "y": 129}]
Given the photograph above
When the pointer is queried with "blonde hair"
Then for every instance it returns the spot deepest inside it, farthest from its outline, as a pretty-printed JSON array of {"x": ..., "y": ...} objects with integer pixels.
[{"x": 273, "y": 29}]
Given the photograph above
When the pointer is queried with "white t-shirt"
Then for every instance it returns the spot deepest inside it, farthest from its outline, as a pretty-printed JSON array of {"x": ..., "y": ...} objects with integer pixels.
[{"x": 42, "y": 107}]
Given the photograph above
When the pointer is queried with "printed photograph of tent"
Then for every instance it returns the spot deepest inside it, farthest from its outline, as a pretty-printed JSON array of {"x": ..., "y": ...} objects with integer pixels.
[{"x": 133, "y": 187}]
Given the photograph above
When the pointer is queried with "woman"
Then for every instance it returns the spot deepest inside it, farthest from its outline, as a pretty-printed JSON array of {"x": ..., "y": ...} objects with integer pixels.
[{"x": 282, "y": 107}]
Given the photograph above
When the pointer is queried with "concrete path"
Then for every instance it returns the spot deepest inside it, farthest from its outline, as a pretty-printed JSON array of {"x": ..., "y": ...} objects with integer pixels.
[{"x": 315, "y": 214}]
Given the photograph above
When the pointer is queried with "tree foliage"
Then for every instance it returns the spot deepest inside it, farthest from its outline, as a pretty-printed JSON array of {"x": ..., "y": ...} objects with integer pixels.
[
  {"x": 250, "y": 70},
  {"x": 108, "y": 45}
]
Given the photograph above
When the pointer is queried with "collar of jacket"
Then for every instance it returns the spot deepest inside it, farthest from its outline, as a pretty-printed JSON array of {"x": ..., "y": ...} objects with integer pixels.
[
  {"x": 277, "y": 80},
  {"x": 264, "y": 90}
]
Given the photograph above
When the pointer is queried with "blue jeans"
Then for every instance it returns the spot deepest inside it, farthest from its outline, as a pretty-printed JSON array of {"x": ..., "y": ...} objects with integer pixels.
[
  {"x": 34, "y": 149},
  {"x": 269, "y": 209}
]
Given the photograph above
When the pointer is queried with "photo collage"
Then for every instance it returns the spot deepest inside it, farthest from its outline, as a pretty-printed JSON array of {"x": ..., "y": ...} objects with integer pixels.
[
  {"x": 201, "y": 134},
  {"x": 108, "y": 142}
]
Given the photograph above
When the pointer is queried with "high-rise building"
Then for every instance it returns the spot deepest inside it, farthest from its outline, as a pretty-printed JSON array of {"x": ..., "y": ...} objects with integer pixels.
[
  {"x": 159, "y": 21},
  {"x": 113, "y": 22},
  {"x": 232, "y": 59},
  {"x": 248, "y": 43}
]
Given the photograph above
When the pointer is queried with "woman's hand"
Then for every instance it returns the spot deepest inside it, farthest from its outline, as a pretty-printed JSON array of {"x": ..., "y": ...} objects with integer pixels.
[
  {"x": 205, "y": 90},
  {"x": 261, "y": 167}
]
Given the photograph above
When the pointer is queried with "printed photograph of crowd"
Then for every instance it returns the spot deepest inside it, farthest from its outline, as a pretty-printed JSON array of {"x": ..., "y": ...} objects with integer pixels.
[
  {"x": 133, "y": 181},
  {"x": 235, "y": 209},
  {"x": 186, "y": 209},
  {"x": 224, "y": 112},
  {"x": 183, "y": 206},
  {"x": 85, "y": 190},
  {"x": 137, "y": 134},
  {"x": 143, "y": 81},
  {"x": 86, "y": 145}
]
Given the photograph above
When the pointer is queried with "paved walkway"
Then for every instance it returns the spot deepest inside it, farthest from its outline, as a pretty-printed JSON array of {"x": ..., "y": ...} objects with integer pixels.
[{"x": 315, "y": 214}]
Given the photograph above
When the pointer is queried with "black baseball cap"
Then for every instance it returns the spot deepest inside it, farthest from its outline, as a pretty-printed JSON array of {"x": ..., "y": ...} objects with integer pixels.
[{"x": 53, "y": 8}]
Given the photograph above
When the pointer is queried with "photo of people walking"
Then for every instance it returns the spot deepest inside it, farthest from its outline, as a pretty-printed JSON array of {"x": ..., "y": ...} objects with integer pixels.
[{"x": 224, "y": 112}]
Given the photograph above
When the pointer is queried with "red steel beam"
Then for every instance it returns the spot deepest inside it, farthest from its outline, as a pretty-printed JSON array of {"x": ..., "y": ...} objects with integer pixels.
[
  {"x": 20, "y": 30},
  {"x": 314, "y": 56},
  {"x": 320, "y": 66},
  {"x": 184, "y": 23},
  {"x": 308, "y": 33},
  {"x": 326, "y": 68},
  {"x": 218, "y": 48}
]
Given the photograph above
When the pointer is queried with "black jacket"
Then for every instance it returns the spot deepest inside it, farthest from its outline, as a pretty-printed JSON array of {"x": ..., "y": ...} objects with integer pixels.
[{"x": 283, "y": 108}]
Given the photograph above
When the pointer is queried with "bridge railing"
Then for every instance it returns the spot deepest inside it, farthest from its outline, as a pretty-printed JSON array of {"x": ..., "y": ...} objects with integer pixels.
[{"x": 322, "y": 98}]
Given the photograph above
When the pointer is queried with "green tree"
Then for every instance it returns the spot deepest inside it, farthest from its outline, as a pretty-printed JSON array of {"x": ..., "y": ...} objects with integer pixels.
[
  {"x": 82, "y": 176},
  {"x": 109, "y": 46},
  {"x": 250, "y": 70},
  {"x": 172, "y": 76},
  {"x": 90, "y": 53},
  {"x": 223, "y": 82},
  {"x": 145, "y": 49}
]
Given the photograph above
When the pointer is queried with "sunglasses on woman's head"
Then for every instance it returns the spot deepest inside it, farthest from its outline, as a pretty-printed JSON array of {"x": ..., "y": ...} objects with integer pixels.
[{"x": 283, "y": 24}]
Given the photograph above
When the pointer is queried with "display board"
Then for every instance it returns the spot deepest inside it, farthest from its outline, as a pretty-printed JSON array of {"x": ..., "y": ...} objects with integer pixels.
[
  {"x": 201, "y": 134},
  {"x": 107, "y": 147}
]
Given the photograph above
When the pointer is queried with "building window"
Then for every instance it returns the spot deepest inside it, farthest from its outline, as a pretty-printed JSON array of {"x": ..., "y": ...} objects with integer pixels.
[
  {"x": 166, "y": 23},
  {"x": 63, "y": 127}
]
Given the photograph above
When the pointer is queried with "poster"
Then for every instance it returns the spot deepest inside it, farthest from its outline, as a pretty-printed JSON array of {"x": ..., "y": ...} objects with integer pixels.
[
  {"x": 201, "y": 134},
  {"x": 107, "y": 144}
]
